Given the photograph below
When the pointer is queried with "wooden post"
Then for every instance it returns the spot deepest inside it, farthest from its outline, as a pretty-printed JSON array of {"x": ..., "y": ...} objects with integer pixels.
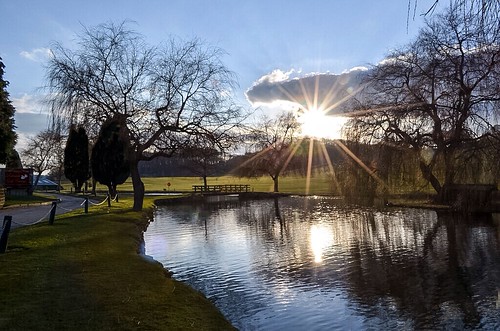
[
  {"x": 7, "y": 221},
  {"x": 52, "y": 215},
  {"x": 2, "y": 197},
  {"x": 109, "y": 200},
  {"x": 86, "y": 205}
]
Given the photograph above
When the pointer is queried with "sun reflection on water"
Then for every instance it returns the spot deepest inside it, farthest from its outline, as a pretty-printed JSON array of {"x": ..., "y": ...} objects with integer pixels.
[{"x": 321, "y": 237}]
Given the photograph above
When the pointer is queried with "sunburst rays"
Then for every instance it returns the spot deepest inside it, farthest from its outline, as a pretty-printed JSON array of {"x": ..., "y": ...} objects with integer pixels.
[{"x": 326, "y": 104}]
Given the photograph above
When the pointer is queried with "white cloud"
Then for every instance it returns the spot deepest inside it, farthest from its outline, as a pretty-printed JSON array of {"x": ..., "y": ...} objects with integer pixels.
[
  {"x": 275, "y": 76},
  {"x": 353, "y": 69},
  {"x": 335, "y": 93},
  {"x": 22, "y": 141},
  {"x": 37, "y": 54},
  {"x": 277, "y": 105},
  {"x": 29, "y": 124},
  {"x": 28, "y": 104}
]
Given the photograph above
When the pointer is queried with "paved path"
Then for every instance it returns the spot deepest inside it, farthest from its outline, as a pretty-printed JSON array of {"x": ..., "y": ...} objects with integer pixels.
[{"x": 27, "y": 215}]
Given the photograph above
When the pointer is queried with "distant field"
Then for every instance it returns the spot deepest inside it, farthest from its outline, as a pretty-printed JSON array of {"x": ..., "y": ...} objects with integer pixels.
[{"x": 288, "y": 184}]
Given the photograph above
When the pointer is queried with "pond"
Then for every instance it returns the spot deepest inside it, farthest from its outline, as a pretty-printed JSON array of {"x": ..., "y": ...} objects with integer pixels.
[{"x": 314, "y": 263}]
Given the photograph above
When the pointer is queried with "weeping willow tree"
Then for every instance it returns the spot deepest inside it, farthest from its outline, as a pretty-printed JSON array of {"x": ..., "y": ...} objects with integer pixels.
[
  {"x": 167, "y": 94},
  {"x": 438, "y": 95}
]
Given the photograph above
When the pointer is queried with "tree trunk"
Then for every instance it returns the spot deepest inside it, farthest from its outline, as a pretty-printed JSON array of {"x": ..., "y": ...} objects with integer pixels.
[
  {"x": 137, "y": 184},
  {"x": 59, "y": 175},
  {"x": 205, "y": 185},
  {"x": 112, "y": 191},
  {"x": 275, "y": 180},
  {"x": 78, "y": 186},
  {"x": 449, "y": 168},
  {"x": 449, "y": 178},
  {"x": 429, "y": 176},
  {"x": 37, "y": 178}
]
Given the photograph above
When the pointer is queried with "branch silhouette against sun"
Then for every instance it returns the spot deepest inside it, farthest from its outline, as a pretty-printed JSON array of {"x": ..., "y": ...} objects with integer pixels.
[
  {"x": 438, "y": 94},
  {"x": 276, "y": 141}
]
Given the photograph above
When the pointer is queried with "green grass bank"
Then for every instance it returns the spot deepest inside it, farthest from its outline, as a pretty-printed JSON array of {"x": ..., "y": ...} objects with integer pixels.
[
  {"x": 319, "y": 184},
  {"x": 86, "y": 272}
]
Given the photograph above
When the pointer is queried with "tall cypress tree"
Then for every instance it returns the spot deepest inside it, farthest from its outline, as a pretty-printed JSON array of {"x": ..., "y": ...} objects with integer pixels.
[
  {"x": 110, "y": 162},
  {"x": 76, "y": 157},
  {"x": 8, "y": 136}
]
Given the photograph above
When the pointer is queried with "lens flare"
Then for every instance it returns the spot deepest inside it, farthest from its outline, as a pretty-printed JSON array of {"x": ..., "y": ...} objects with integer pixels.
[{"x": 316, "y": 123}]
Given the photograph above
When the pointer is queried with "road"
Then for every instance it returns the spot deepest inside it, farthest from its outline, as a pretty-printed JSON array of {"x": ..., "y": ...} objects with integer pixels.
[{"x": 27, "y": 215}]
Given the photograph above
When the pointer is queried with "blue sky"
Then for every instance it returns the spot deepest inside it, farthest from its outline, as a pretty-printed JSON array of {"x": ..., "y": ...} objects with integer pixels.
[{"x": 259, "y": 36}]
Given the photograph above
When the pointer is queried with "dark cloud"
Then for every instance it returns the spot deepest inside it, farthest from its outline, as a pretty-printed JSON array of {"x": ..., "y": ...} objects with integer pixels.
[{"x": 334, "y": 92}]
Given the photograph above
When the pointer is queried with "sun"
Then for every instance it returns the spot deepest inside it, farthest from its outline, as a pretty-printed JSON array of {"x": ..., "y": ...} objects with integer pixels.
[{"x": 316, "y": 123}]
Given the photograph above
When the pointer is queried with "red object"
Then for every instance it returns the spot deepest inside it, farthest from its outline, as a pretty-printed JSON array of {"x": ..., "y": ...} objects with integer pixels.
[{"x": 18, "y": 178}]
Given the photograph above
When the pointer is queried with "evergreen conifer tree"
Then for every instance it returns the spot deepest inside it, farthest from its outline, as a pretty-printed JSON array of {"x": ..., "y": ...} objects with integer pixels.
[
  {"x": 110, "y": 162},
  {"x": 8, "y": 137},
  {"x": 76, "y": 157}
]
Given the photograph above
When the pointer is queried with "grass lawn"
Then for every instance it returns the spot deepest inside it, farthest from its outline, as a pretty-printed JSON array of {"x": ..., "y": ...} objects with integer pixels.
[
  {"x": 85, "y": 273},
  {"x": 319, "y": 184}
]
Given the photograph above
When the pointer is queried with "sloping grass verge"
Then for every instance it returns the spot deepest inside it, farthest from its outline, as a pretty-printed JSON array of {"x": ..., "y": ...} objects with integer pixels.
[
  {"x": 85, "y": 273},
  {"x": 36, "y": 198}
]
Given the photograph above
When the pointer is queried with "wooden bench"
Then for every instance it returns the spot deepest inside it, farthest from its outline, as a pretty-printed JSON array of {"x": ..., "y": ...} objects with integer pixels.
[{"x": 223, "y": 188}]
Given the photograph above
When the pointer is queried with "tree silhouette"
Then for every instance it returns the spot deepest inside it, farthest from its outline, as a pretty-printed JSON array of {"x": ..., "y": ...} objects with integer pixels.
[
  {"x": 110, "y": 164},
  {"x": 76, "y": 157},
  {"x": 8, "y": 136},
  {"x": 275, "y": 140},
  {"x": 438, "y": 95},
  {"x": 166, "y": 94},
  {"x": 202, "y": 160},
  {"x": 43, "y": 152}
]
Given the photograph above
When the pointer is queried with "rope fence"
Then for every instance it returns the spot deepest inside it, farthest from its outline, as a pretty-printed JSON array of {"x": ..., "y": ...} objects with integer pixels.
[
  {"x": 97, "y": 204},
  {"x": 8, "y": 219},
  {"x": 36, "y": 222},
  {"x": 63, "y": 208}
]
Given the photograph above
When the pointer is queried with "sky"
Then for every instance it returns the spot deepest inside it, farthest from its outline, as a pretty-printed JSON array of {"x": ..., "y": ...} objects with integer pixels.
[{"x": 264, "y": 40}]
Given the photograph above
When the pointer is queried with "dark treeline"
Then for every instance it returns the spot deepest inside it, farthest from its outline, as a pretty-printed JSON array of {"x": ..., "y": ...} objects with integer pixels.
[
  {"x": 353, "y": 168},
  {"x": 178, "y": 167}
]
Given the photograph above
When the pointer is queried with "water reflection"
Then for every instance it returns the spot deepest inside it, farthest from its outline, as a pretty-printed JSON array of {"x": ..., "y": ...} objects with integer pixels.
[
  {"x": 312, "y": 263},
  {"x": 321, "y": 239}
]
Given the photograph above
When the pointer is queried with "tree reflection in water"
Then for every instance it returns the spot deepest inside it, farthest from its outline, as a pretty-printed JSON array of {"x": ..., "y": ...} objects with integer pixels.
[{"x": 394, "y": 268}]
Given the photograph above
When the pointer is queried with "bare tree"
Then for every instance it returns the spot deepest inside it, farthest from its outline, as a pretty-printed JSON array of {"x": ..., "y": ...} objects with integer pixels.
[
  {"x": 202, "y": 159},
  {"x": 438, "y": 94},
  {"x": 166, "y": 94},
  {"x": 44, "y": 152},
  {"x": 275, "y": 140},
  {"x": 481, "y": 8}
]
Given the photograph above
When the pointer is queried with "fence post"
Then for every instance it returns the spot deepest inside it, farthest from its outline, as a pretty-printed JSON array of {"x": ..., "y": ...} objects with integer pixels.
[
  {"x": 7, "y": 221},
  {"x": 86, "y": 205},
  {"x": 109, "y": 200},
  {"x": 52, "y": 213}
]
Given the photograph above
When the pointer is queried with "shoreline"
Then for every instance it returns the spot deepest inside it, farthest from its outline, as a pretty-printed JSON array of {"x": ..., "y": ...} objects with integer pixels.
[{"x": 90, "y": 271}]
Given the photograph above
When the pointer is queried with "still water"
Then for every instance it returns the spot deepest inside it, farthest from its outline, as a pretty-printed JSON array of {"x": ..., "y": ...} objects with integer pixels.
[{"x": 315, "y": 264}]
